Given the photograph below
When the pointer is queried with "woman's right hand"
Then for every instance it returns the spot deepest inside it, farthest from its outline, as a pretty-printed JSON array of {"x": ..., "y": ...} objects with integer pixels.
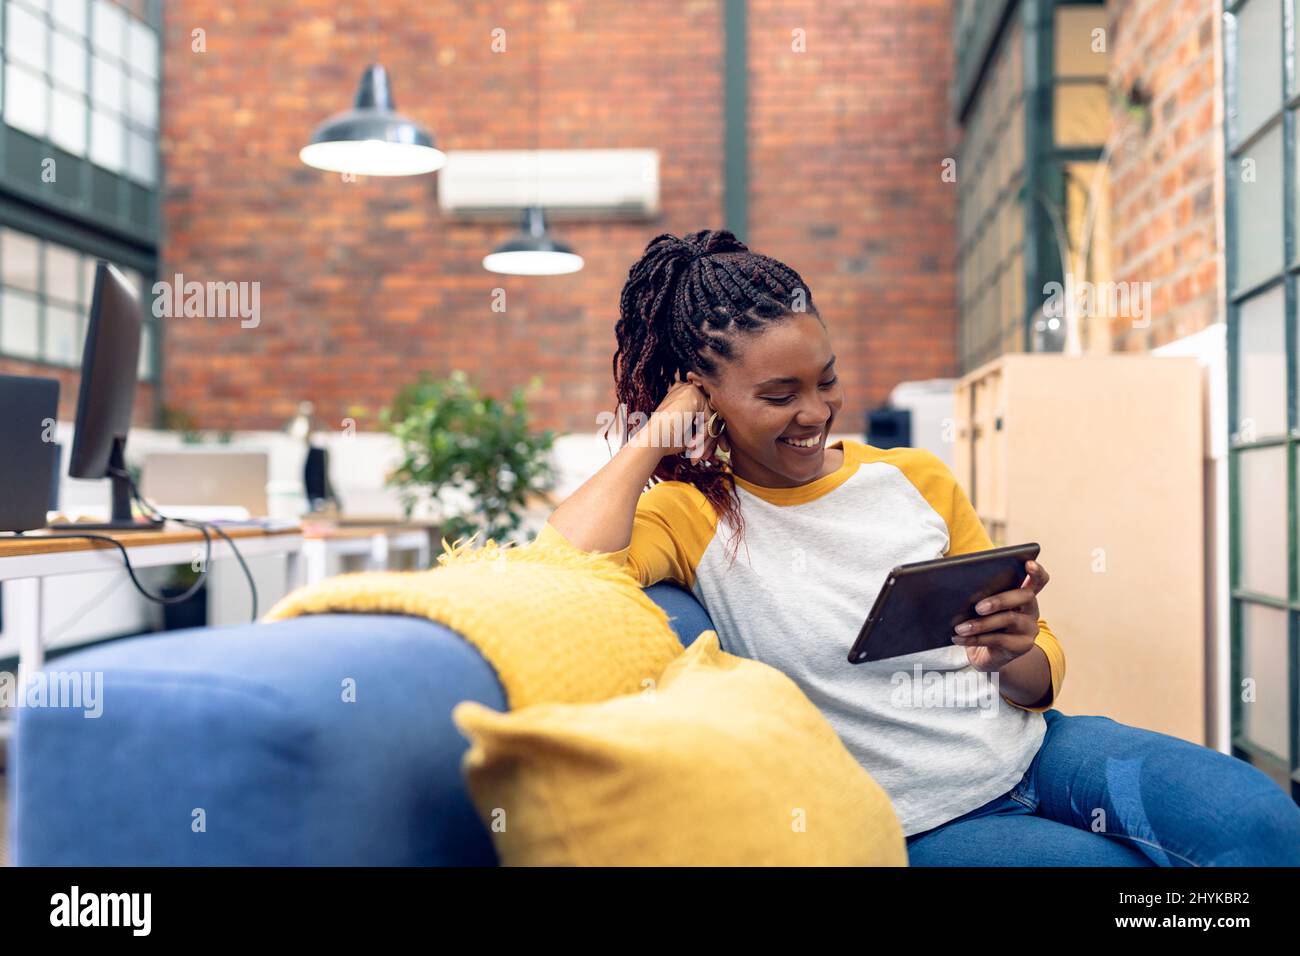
[{"x": 679, "y": 423}]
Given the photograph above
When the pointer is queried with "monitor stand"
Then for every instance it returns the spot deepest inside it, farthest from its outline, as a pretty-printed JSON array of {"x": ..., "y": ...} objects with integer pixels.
[{"x": 121, "y": 519}]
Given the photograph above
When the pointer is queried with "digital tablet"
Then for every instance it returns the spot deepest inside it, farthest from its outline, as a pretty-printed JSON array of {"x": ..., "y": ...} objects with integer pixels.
[{"x": 920, "y": 604}]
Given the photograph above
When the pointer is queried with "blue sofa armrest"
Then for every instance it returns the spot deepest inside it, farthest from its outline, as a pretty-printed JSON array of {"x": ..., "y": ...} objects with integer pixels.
[{"x": 240, "y": 746}]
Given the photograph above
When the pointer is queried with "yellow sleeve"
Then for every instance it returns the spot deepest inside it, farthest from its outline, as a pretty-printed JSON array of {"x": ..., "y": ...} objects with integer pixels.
[
  {"x": 673, "y": 525},
  {"x": 966, "y": 534}
]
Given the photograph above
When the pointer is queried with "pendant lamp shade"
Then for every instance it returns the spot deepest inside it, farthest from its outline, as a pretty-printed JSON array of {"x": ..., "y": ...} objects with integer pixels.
[
  {"x": 532, "y": 251},
  {"x": 372, "y": 139}
]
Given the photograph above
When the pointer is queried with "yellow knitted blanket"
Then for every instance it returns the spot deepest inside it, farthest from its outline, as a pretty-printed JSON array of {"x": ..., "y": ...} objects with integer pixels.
[{"x": 559, "y": 625}]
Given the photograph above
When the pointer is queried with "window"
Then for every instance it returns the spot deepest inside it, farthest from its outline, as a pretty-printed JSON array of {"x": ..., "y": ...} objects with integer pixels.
[
  {"x": 1263, "y": 219},
  {"x": 84, "y": 76},
  {"x": 990, "y": 215},
  {"x": 45, "y": 296},
  {"x": 79, "y": 177},
  {"x": 1032, "y": 100}
]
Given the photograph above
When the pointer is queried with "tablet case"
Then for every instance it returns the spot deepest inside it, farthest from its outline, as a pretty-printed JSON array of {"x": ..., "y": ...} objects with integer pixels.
[{"x": 920, "y": 604}]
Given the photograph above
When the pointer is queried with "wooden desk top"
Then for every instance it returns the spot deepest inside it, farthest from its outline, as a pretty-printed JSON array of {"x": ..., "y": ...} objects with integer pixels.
[{"x": 45, "y": 540}]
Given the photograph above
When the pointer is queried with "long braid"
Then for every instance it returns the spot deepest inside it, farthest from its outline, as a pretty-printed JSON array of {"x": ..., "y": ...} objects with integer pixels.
[{"x": 684, "y": 302}]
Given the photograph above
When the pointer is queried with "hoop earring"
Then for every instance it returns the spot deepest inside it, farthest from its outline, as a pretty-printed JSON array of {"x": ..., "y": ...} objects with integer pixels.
[{"x": 708, "y": 426}]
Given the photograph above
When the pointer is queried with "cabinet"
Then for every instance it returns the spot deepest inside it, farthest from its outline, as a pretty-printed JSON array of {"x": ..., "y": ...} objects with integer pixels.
[{"x": 1100, "y": 459}]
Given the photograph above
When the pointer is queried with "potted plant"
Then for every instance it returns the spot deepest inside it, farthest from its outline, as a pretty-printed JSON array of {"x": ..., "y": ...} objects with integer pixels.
[{"x": 455, "y": 439}]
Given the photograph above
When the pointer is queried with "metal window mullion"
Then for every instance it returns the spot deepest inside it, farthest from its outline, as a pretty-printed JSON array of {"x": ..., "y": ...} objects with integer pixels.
[
  {"x": 4, "y": 83},
  {"x": 42, "y": 354},
  {"x": 124, "y": 181},
  {"x": 1236, "y": 730},
  {"x": 1036, "y": 24},
  {"x": 85, "y": 169},
  {"x": 1289, "y": 226}
]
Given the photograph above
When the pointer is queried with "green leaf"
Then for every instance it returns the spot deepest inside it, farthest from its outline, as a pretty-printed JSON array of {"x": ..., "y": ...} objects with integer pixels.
[{"x": 452, "y": 437}]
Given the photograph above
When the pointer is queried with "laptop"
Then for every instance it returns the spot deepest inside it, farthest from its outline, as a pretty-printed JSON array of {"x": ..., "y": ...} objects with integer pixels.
[
  {"x": 27, "y": 449},
  {"x": 203, "y": 478}
]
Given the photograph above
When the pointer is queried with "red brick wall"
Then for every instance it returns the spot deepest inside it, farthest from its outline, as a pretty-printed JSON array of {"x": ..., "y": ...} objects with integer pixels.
[
  {"x": 847, "y": 141},
  {"x": 364, "y": 285},
  {"x": 1167, "y": 182}
]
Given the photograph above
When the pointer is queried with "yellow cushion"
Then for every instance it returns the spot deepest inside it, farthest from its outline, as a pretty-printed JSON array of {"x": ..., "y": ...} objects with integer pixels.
[
  {"x": 722, "y": 761},
  {"x": 557, "y": 624}
]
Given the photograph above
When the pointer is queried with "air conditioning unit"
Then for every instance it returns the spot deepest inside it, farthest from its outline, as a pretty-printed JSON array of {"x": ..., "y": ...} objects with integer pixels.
[{"x": 496, "y": 184}]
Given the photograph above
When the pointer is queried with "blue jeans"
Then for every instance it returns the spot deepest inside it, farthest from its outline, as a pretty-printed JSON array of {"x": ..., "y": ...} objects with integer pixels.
[{"x": 1101, "y": 793}]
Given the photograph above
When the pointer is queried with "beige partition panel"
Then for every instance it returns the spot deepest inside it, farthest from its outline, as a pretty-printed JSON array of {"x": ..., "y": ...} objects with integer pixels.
[{"x": 1099, "y": 459}]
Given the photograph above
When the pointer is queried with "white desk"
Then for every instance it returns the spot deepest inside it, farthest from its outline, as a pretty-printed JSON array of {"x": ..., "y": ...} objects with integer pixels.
[
  {"x": 28, "y": 560},
  {"x": 325, "y": 548}
]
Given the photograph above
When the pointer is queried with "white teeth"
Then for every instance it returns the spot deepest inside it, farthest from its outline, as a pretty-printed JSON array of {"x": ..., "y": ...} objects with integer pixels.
[{"x": 805, "y": 443}]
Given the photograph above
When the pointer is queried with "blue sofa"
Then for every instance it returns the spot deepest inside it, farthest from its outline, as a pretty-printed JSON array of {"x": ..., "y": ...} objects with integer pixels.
[{"x": 234, "y": 746}]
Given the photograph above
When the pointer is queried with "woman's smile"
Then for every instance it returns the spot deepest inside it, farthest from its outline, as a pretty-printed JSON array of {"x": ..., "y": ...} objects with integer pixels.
[{"x": 804, "y": 447}]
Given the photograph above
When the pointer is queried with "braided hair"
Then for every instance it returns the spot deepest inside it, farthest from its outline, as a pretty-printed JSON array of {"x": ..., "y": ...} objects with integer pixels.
[{"x": 685, "y": 302}]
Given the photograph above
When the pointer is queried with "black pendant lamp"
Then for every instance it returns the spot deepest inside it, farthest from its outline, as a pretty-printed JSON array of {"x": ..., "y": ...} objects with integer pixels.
[
  {"x": 532, "y": 251},
  {"x": 372, "y": 139}
]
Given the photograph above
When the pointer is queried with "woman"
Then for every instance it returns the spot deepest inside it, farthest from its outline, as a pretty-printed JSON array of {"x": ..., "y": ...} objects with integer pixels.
[{"x": 984, "y": 773}]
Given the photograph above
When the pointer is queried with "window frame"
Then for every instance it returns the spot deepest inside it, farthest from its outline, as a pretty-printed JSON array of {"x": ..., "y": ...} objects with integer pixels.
[{"x": 1285, "y": 766}]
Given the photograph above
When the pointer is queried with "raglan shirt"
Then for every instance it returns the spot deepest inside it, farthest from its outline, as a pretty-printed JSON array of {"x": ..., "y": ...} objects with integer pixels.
[{"x": 935, "y": 733}]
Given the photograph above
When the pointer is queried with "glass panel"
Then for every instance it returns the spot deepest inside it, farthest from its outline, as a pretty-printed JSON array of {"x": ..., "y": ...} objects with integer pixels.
[
  {"x": 140, "y": 158},
  {"x": 25, "y": 100},
  {"x": 1004, "y": 297},
  {"x": 1263, "y": 664},
  {"x": 1257, "y": 178},
  {"x": 1074, "y": 41},
  {"x": 18, "y": 325},
  {"x": 20, "y": 260},
  {"x": 61, "y": 268},
  {"x": 1262, "y": 495},
  {"x": 108, "y": 84},
  {"x": 1010, "y": 242},
  {"x": 1261, "y": 366},
  {"x": 993, "y": 238},
  {"x": 1015, "y": 47},
  {"x": 24, "y": 36},
  {"x": 1018, "y": 290},
  {"x": 71, "y": 15},
  {"x": 1082, "y": 114},
  {"x": 144, "y": 49},
  {"x": 87, "y": 281},
  {"x": 145, "y": 369},
  {"x": 1078, "y": 183},
  {"x": 61, "y": 340},
  {"x": 68, "y": 121},
  {"x": 143, "y": 103},
  {"x": 107, "y": 148},
  {"x": 70, "y": 62},
  {"x": 108, "y": 24},
  {"x": 1259, "y": 64},
  {"x": 1016, "y": 137}
]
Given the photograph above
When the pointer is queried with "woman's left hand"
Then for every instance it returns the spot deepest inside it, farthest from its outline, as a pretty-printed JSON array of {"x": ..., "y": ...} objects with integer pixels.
[{"x": 1007, "y": 625}]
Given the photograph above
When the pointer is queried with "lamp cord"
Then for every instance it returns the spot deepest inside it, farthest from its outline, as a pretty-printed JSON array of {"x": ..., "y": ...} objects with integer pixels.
[{"x": 537, "y": 108}]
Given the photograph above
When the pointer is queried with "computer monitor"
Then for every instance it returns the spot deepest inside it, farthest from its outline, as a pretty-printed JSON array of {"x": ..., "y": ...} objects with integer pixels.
[{"x": 109, "y": 367}]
